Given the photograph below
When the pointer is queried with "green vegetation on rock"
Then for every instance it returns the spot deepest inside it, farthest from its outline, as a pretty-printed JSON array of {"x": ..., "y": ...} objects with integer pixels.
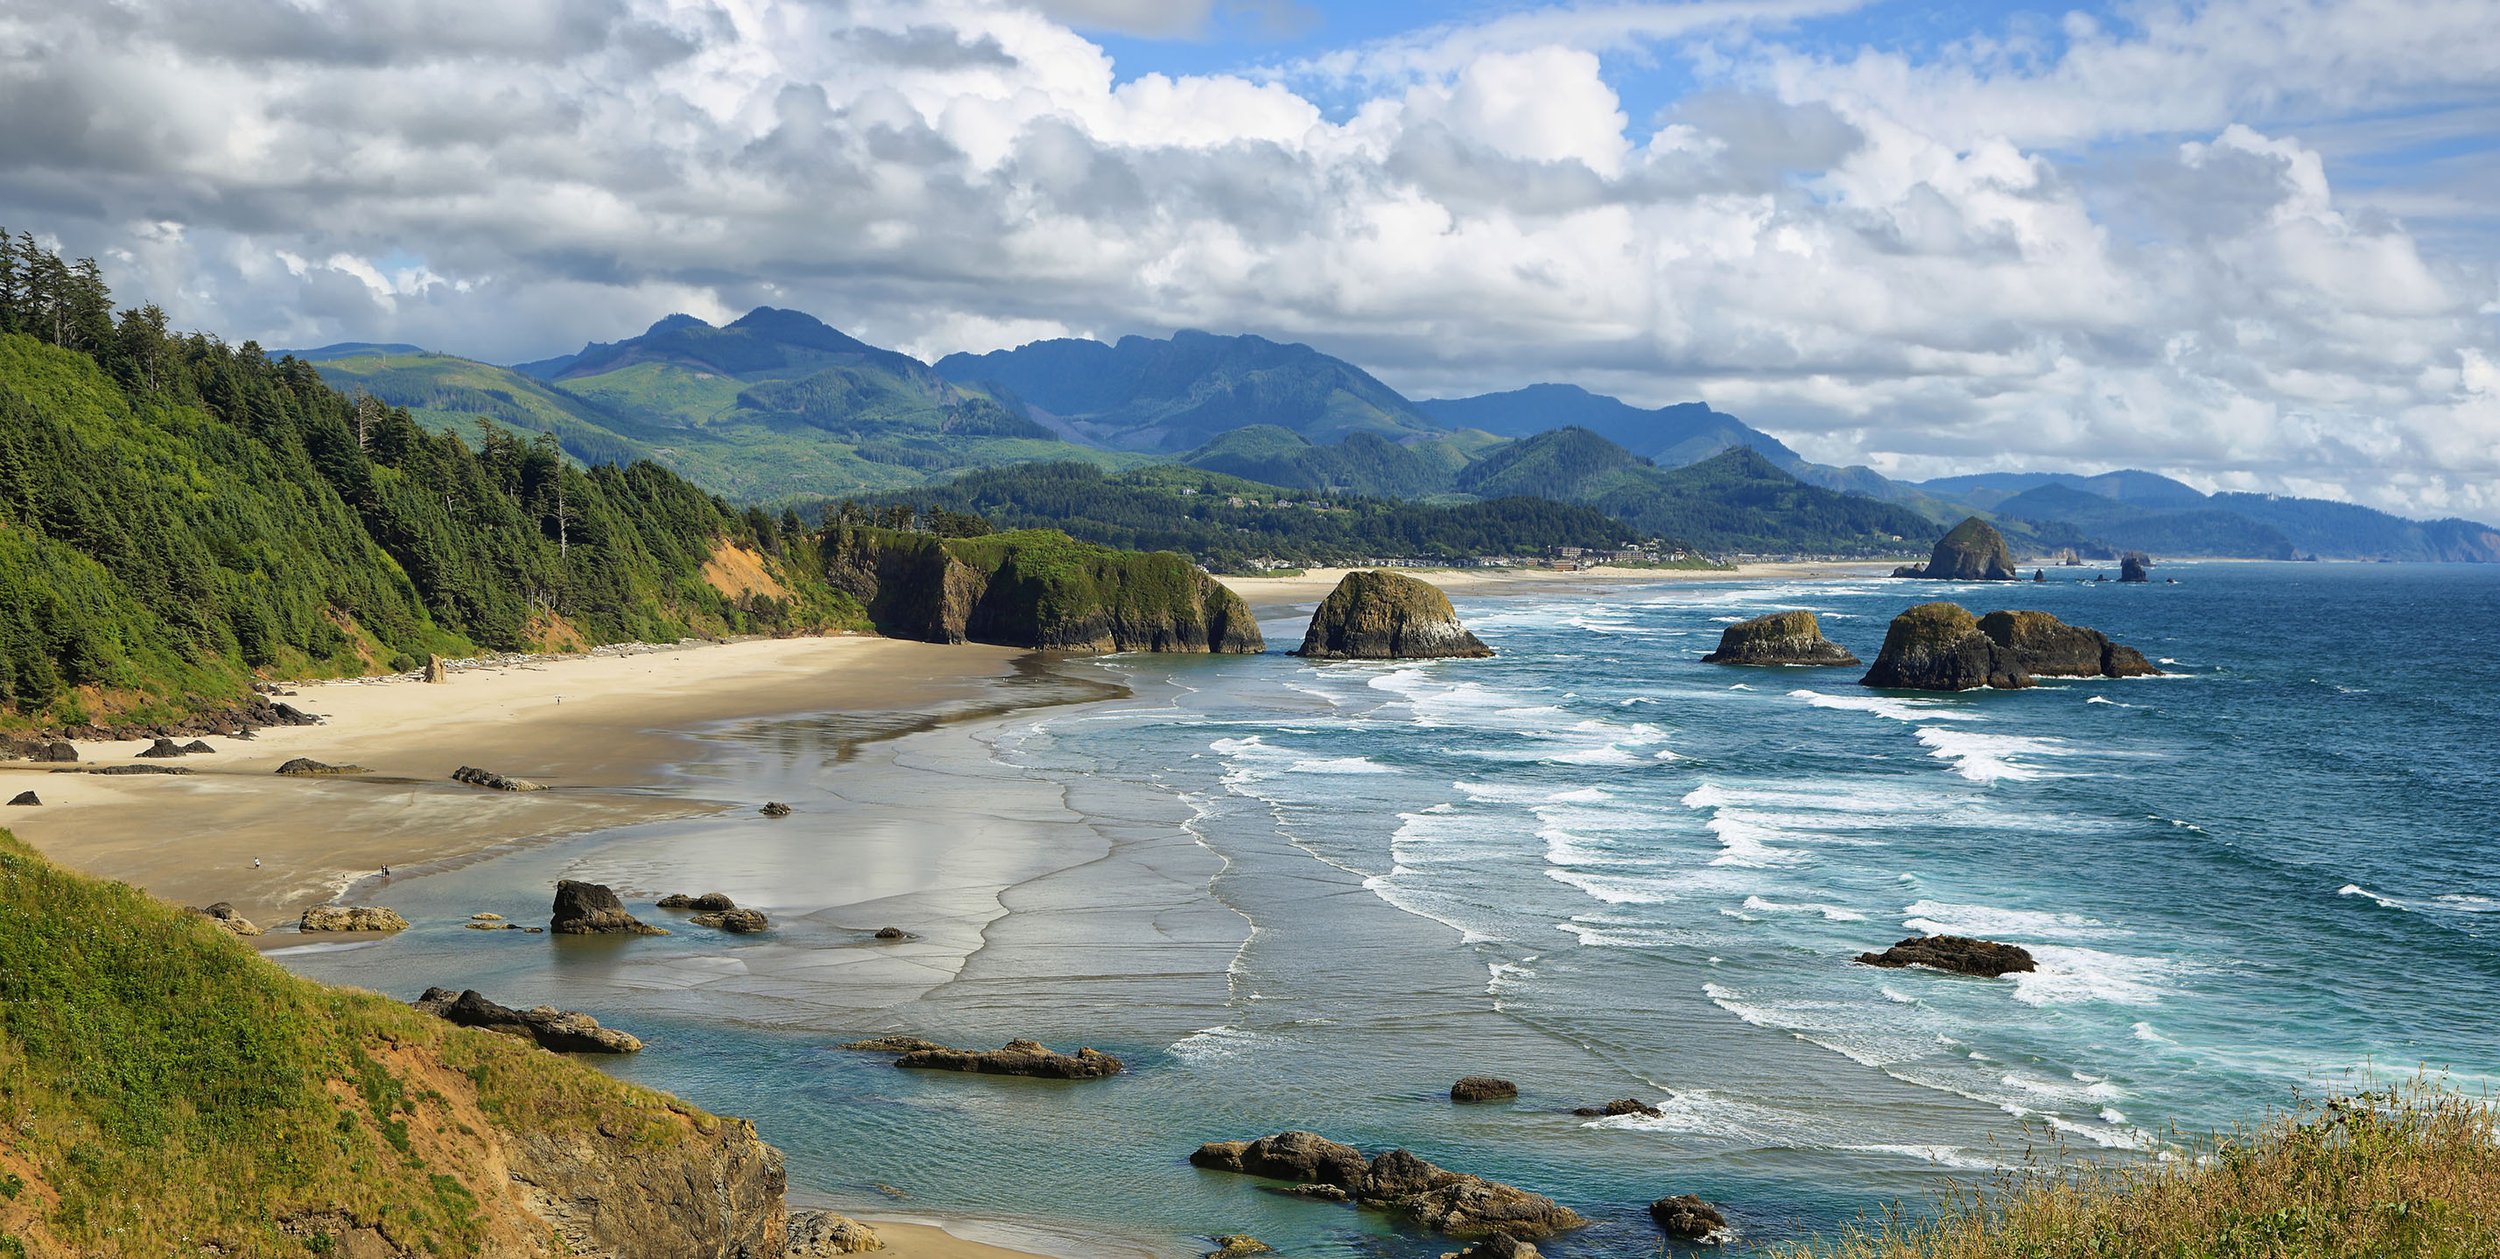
[
  {"x": 1035, "y": 588},
  {"x": 1374, "y": 615}
]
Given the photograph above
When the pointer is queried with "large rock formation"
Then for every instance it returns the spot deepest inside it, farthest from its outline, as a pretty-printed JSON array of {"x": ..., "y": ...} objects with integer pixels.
[
  {"x": 1455, "y": 1203},
  {"x": 1782, "y": 638},
  {"x": 1959, "y": 954},
  {"x": 1939, "y": 647},
  {"x": 563, "y": 1031},
  {"x": 814, "y": 1234},
  {"x": 2131, "y": 566},
  {"x": 351, "y": 918},
  {"x": 1971, "y": 551},
  {"x": 1018, "y": 1057},
  {"x": 51, "y": 751},
  {"x": 588, "y": 909},
  {"x": 1036, "y": 588},
  {"x": 1376, "y": 615},
  {"x": 2044, "y": 646}
]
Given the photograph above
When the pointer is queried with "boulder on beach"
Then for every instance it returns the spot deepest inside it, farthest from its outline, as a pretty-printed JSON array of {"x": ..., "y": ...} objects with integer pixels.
[
  {"x": 817, "y": 1233},
  {"x": 223, "y": 915},
  {"x": 1961, "y": 955},
  {"x": 164, "y": 748},
  {"x": 25, "y": 797},
  {"x": 1377, "y": 615},
  {"x": 563, "y": 1031},
  {"x": 1620, "y": 1106},
  {"x": 709, "y": 902},
  {"x": 1030, "y": 1059},
  {"x": 2131, "y": 566},
  {"x": 1782, "y": 638},
  {"x": 774, "y": 808},
  {"x": 434, "y": 670},
  {"x": 1453, "y": 1203},
  {"x": 734, "y": 921},
  {"x": 1971, "y": 551},
  {"x": 307, "y": 767},
  {"x": 2044, "y": 646},
  {"x": 491, "y": 780},
  {"x": 351, "y": 918},
  {"x": 1688, "y": 1219},
  {"x": 116, "y": 771},
  {"x": 1938, "y": 647},
  {"x": 13, "y": 748},
  {"x": 1483, "y": 1088},
  {"x": 589, "y": 909}
]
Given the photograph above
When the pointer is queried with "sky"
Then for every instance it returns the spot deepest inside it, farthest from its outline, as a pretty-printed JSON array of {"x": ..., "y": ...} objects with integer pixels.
[{"x": 2251, "y": 243}]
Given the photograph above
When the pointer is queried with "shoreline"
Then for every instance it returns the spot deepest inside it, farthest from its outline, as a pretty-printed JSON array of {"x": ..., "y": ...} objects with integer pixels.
[{"x": 1272, "y": 594}]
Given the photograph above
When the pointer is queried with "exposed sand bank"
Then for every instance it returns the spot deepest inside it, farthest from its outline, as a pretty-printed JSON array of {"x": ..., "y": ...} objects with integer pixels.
[
  {"x": 599, "y": 731},
  {"x": 1310, "y": 586}
]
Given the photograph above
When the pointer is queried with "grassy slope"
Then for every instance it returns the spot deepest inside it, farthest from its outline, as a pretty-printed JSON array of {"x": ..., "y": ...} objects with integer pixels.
[
  {"x": 163, "y": 1087},
  {"x": 2408, "y": 1174}
]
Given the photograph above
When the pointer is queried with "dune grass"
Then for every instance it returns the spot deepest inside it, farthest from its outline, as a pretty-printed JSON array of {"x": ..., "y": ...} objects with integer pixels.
[{"x": 2411, "y": 1172}]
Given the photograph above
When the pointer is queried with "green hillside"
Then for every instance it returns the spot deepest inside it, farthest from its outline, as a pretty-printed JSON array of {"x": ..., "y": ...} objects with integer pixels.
[
  {"x": 1233, "y": 525},
  {"x": 168, "y": 1091},
  {"x": 1362, "y": 463},
  {"x": 178, "y": 516}
]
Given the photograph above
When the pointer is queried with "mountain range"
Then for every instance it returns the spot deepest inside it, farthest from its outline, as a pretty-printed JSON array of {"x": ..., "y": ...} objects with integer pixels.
[{"x": 777, "y": 407}]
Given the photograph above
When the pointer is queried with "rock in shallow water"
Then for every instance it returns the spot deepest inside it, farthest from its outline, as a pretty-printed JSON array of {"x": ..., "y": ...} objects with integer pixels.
[
  {"x": 563, "y": 1031},
  {"x": 1483, "y": 1088},
  {"x": 1027, "y": 1058},
  {"x": 1782, "y": 638},
  {"x": 491, "y": 780},
  {"x": 351, "y": 918},
  {"x": 1620, "y": 1106},
  {"x": 1938, "y": 647},
  {"x": 1687, "y": 1218},
  {"x": 734, "y": 921},
  {"x": 2044, "y": 646},
  {"x": 583, "y": 909},
  {"x": 1375, "y": 615},
  {"x": 1959, "y": 954},
  {"x": 307, "y": 767},
  {"x": 709, "y": 902},
  {"x": 1399, "y": 1182}
]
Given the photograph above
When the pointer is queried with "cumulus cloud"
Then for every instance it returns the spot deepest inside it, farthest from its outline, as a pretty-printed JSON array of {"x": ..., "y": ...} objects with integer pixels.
[{"x": 2104, "y": 249}]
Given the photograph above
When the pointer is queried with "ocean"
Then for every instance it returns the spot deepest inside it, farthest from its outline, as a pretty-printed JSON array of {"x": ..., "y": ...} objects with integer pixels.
[{"x": 1298, "y": 895}]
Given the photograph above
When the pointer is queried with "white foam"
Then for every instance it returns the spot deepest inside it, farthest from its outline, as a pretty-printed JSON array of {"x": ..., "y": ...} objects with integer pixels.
[
  {"x": 2144, "y": 1032},
  {"x": 1214, "y": 1044},
  {"x": 2469, "y": 904},
  {"x": 1338, "y": 765},
  {"x": 2069, "y": 975},
  {"x": 1942, "y": 1155},
  {"x": 1831, "y": 913},
  {"x": 1941, "y": 918},
  {"x": 1989, "y": 758},
  {"x": 2355, "y": 889},
  {"x": 1892, "y": 707}
]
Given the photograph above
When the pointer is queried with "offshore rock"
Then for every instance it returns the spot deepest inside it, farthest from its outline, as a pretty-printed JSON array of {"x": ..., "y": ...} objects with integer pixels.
[
  {"x": 709, "y": 902},
  {"x": 307, "y": 767},
  {"x": 1687, "y": 1218},
  {"x": 1453, "y": 1203},
  {"x": 818, "y": 1233},
  {"x": 563, "y": 1031},
  {"x": 1972, "y": 551},
  {"x": 1235, "y": 1245},
  {"x": 893, "y": 1045},
  {"x": 2131, "y": 566},
  {"x": 1958, "y": 954},
  {"x": 1376, "y": 615},
  {"x": 1483, "y": 1088},
  {"x": 351, "y": 918},
  {"x": 774, "y": 808},
  {"x": 491, "y": 780},
  {"x": 1782, "y": 638},
  {"x": 1939, "y": 647},
  {"x": 2044, "y": 646},
  {"x": 1620, "y": 1106},
  {"x": 586, "y": 909},
  {"x": 1018, "y": 1057}
]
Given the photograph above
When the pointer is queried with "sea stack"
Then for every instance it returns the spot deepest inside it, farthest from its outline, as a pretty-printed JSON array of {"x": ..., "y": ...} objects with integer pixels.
[
  {"x": 2044, "y": 646},
  {"x": 1973, "y": 551},
  {"x": 2132, "y": 565},
  {"x": 1375, "y": 615},
  {"x": 1782, "y": 638},
  {"x": 590, "y": 909},
  {"x": 1939, "y": 647}
]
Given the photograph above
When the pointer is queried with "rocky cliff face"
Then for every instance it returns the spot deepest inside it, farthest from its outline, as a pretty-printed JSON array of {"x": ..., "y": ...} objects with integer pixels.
[
  {"x": 1782, "y": 638},
  {"x": 1972, "y": 551},
  {"x": 1939, "y": 647},
  {"x": 2047, "y": 647},
  {"x": 1036, "y": 588},
  {"x": 1378, "y": 615},
  {"x": 704, "y": 1187}
]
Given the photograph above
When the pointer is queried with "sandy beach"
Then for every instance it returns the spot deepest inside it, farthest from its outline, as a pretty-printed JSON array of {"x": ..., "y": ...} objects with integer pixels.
[{"x": 599, "y": 731}]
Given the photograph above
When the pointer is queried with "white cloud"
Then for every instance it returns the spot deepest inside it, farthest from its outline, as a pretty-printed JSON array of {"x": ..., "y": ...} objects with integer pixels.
[{"x": 2003, "y": 254}]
